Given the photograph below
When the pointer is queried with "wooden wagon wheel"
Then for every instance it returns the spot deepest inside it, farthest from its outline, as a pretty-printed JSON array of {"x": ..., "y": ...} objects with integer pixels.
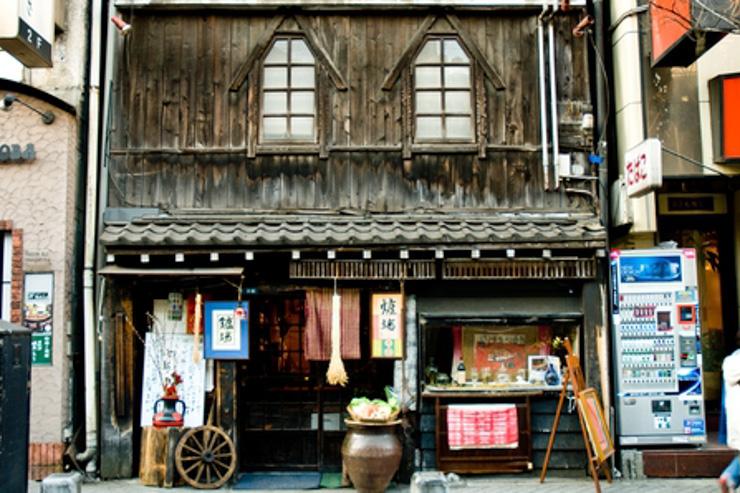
[{"x": 205, "y": 457}]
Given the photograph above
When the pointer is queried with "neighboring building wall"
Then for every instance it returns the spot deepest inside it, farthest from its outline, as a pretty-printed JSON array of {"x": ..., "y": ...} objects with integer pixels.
[
  {"x": 721, "y": 59},
  {"x": 628, "y": 103},
  {"x": 39, "y": 200},
  {"x": 66, "y": 78},
  {"x": 42, "y": 205}
]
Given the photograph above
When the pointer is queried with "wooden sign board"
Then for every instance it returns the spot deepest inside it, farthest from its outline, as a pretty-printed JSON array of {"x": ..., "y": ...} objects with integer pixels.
[
  {"x": 590, "y": 408},
  {"x": 596, "y": 436},
  {"x": 387, "y": 326}
]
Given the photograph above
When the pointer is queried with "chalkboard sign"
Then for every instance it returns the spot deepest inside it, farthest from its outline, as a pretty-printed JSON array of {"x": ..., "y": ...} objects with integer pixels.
[{"x": 163, "y": 354}]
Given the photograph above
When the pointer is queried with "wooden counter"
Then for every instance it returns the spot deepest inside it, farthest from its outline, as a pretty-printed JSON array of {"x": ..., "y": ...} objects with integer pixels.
[{"x": 484, "y": 460}]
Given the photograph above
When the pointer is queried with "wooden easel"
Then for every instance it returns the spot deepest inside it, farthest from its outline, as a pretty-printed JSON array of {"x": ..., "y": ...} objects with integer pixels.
[{"x": 574, "y": 375}]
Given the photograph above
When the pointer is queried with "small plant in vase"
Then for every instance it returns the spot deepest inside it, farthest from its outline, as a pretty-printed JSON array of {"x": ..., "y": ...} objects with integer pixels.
[
  {"x": 557, "y": 348},
  {"x": 170, "y": 385},
  {"x": 166, "y": 414}
]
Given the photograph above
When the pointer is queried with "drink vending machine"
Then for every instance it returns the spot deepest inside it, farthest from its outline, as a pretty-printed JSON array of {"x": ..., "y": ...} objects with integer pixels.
[{"x": 656, "y": 345}]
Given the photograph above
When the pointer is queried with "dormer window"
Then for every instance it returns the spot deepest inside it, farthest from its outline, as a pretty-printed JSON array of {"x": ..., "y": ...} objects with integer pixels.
[
  {"x": 289, "y": 92},
  {"x": 443, "y": 108}
]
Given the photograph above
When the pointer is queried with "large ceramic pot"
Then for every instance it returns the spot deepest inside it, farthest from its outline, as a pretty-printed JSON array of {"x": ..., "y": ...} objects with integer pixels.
[{"x": 371, "y": 453}]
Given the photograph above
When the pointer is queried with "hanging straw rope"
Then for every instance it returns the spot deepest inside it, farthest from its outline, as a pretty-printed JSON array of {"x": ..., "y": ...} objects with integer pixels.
[
  {"x": 196, "y": 329},
  {"x": 336, "y": 375}
]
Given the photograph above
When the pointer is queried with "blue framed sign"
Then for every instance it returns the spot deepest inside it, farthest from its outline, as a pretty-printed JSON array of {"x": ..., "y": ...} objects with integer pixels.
[{"x": 226, "y": 330}]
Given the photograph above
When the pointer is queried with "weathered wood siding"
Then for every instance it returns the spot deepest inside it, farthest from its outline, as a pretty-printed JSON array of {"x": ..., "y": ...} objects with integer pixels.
[{"x": 180, "y": 139}]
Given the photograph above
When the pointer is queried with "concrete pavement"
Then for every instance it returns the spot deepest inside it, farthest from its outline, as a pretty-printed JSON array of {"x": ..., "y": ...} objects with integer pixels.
[{"x": 555, "y": 483}]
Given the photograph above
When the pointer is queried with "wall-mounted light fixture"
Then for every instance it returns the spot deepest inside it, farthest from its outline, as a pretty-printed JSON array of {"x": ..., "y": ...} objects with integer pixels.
[
  {"x": 46, "y": 116},
  {"x": 123, "y": 26}
]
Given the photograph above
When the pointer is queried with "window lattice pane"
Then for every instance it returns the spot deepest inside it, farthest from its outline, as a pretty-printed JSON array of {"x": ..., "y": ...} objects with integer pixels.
[
  {"x": 302, "y": 77},
  {"x": 457, "y": 102},
  {"x": 459, "y": 127},
  {"x": 457, "y": 77},
  {"x": 276, "y": 102},
  {"x": 428, "y": 77},
  {"x": 276, "y": 77},
  {"x": 302, "y": 102},
  {"x": 428, "y": 102},
  {"x": 454, "y": 52},
  {"x": 275, "y": 127},
  {"x": 429, "y": 127},
  {"x": 299, "y": 52},
  {"x": 278, "y": 53},
  {"x": 301, "y": 127},
  {"x": 431, "y": 53}
]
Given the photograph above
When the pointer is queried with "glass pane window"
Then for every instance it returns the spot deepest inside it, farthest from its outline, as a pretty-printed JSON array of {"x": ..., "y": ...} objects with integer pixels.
[
  {"x": 458, "y": 127},
  {"x": 443, "y": 91},
  {"x": 431, "y": 52},
  {"x": 278, "y": 53},
  {"x": 428, "y": 77},
  {"x": 429, "y": 102},
  {"x": 429, "y": 127},
  {"x": 289, "y": 91},
  {"x": 276, "y": 77},
  {"x": 276, "y": 103},
  {"x": 302, "y": 102},
  {"x": 457, "y": 102}
]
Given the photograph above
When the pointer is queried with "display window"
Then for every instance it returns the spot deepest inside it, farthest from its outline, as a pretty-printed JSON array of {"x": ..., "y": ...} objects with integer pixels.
[{"x": 459, "y": 356}]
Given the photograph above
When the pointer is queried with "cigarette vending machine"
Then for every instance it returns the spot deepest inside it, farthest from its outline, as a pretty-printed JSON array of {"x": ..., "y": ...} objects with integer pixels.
[{"x": 657, "y": 352}]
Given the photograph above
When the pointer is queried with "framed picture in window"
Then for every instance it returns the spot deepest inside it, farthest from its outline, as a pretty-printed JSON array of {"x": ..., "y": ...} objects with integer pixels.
[{"x": 226, "y": 334}]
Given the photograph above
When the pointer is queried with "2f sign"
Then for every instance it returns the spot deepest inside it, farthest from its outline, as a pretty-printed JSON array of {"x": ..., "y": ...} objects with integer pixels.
[{"x": 643, "y": 168}]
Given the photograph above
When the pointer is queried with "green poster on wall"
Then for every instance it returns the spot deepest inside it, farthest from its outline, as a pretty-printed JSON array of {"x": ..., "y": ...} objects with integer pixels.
[
  {"x": 41, "y": 348},
  {"x": 37, "y": 314}
]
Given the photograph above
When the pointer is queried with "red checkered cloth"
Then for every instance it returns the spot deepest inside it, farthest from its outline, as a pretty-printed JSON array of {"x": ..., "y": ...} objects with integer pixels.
[{"x": 471, "y": 426}]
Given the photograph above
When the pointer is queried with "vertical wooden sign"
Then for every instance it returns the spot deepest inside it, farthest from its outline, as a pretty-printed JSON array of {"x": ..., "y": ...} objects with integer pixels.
[{"x": 387, "y": 329}]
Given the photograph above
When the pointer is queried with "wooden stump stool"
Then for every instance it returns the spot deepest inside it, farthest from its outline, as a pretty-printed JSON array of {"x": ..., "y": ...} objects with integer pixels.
[{"x": 157, "y": 464}]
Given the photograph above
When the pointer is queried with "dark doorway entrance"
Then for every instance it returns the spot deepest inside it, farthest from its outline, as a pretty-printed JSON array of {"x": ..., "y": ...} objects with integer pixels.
[
  {"x": 288, "y": 417},
  {"x": 712, "y": 238}
]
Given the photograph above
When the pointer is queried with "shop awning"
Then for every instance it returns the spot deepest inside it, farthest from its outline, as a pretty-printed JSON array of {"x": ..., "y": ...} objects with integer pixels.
[
  {"x": 497, "y": 229},
  {"x": 116, "y": 270}
]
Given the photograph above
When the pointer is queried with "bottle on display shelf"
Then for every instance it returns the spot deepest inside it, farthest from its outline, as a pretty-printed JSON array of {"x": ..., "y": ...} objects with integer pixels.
[{"x": 460, "y": 373}]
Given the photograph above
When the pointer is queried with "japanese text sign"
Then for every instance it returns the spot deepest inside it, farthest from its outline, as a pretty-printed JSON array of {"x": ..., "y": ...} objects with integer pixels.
[
  {"x": 226, "y": 330},
  {"x": 643, "y": 168},
  {"x": 387, "y": 326}
]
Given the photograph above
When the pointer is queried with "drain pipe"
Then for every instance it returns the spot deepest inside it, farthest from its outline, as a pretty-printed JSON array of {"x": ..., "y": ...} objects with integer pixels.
[
  {"x": 88, "y": 280},
  {"x": 543, "y": 99},
  {"x": 553, "y": 91}
]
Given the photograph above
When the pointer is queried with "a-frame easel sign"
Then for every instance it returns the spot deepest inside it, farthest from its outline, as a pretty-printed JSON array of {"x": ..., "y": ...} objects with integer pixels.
[{"x": 595, "y": 429}]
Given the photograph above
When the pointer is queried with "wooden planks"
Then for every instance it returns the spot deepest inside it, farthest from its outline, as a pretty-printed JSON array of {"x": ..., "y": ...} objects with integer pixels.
[
  {"x": 157, "y": 462},
  {"x": 181, "y": 139}
]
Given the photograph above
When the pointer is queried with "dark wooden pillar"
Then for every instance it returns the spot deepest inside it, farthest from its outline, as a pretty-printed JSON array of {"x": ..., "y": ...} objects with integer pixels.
[
  {"x": 117, "y": 360},
  {"x": 226, "y": 398},
  {"x": 594, "y": 332}
]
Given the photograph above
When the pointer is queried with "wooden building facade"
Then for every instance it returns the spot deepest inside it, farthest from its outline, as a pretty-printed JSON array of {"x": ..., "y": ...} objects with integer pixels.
[{"x": 263, "y": 152}]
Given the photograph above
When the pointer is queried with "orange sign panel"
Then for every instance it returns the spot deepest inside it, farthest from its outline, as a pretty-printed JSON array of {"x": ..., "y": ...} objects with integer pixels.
[{"x": 669, "y": 22}]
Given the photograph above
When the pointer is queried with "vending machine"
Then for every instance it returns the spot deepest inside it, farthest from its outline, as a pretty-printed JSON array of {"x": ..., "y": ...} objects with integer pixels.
[{"x": 656, "y": 345}]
